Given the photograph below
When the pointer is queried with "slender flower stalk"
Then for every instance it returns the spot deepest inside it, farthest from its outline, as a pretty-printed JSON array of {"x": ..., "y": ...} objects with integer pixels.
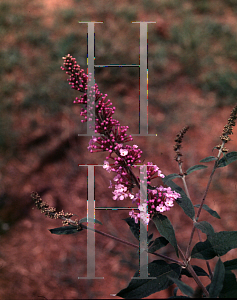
[
  {"x": 177, "y": 147},
  {"x": 50, "y": 212},
  {"x": 228, "y": 130}
]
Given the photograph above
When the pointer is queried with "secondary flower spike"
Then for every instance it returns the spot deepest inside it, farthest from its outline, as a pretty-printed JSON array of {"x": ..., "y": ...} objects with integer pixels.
[{"x": 113, "y": 138}]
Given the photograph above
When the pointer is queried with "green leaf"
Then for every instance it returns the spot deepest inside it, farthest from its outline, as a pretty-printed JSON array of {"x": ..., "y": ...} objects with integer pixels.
[
  {"x": 166, "y": 229},
  {"x": 227, "y": 159},
  {"x": 65, "y": 230},
  {"x": 170, "y": 177},
  {"x": 135, "y": 227},
  {"x": 195, "y": 168},
  {"x": 205, "y": 227},
  {"x": 199, "y": 271},
  {"x": 158, "y": 243},
  {"x": 149, "y": 238},
  {"x": 229, "y": 289},
  {"x": 184, "y": 288},
  {"x": 217, "y": 244},
  {"x": 230, "y": 264},
  {"x": 217, "y": 281},
  {"x": 207, "y": 159},
  {"x": 140, "y": 288},
  {"x": 209, "y": 210},
  {"x": 203, "y": 250},
  {"x": 184, "y": 201},
  {"x": 90, "y": 220}
]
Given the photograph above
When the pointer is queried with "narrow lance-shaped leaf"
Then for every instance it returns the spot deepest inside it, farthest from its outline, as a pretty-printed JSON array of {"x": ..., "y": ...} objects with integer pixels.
[
  {"x": 227, "y": 159},
  {"x": 171, "y": 177},
  {"x": 184, "y": 288},
  {"x": 158, "y": 243},
  {"x": 166, "y": 229},
  {"x": 209, "y": 210},
  {"x": 65, "y": 230},
  {"x": 195, "y": 168},
  {"x": 205, "y": 227},
  {"x": 229, "y": 289},
  {"x": 184, "y": 201},
  {"x": 207, "y": 159},
  {"x": 217, "y": 281}
]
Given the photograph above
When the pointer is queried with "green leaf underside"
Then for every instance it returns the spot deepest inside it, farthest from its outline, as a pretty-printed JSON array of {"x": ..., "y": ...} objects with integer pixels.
[
  {"x": 140, "y": 288},
  {"x": 65, "y": 230},
  {"x": 227, "y": 159},
  {"x": 195, "y": 168},
  {"x": 166, "y": 229},
  {"x": 207, "y": 159},
  {"x": 217, "y": 244},
  {"x": 205, "y": 227},
  {"x": 184, "y": 288},
  {"x": 229, "y": 289},
  {"x": 158, "y": 243},
  {"x": 184, "y": 201},
  {"x": 170, "y": 177},
  {"x": 90, "y": 220},
  {"x": 217, "y": 281},
  {"x": 209, "y": 210},
  {"x": 199, "y": 271}
]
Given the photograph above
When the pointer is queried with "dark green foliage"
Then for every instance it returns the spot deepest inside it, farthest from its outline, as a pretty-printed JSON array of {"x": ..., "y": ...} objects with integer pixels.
[
  {"x": 166, "y": 229},
  {"x": 195, "y": 168},
  {"x": 184, "y": 201},
  {"x": 171, "y": 177},
  {"x": 227, "y": 159},
  {"x": 65, "y": 230},
  {"x": 229, "y": 289},
  {"x": 135, "y": 228},
  {"x": 199, "y": 271},
  {"x": 140, "y": 288},
  {"x": 158, "y": 243},
  {"x": 185, "y": 289},
  {"x": 205, "y": 227},
  {"x": 217, "y": 281},
  {"x": 217, "y": 244},
  {"x": 231, "y": 264},
  {"x": 209, "y": 158}
]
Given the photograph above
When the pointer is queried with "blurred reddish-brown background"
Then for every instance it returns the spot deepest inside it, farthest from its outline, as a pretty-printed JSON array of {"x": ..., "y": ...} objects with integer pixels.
[{"x": 192, "y": 81}]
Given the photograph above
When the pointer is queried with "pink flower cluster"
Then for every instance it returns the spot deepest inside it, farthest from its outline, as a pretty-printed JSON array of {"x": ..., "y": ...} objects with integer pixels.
[
  {"x": 112, "y": 138},
  {"x": 159, "y": 200}
]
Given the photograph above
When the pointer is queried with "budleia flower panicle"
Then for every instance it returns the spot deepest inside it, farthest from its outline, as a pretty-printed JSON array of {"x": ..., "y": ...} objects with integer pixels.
[{"x": 113, "y": 138}]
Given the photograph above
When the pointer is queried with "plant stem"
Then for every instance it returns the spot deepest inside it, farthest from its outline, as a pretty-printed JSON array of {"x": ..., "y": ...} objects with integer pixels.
[
  {"x": 205, "y": 194},
  {"x": 192, "y": 272},
  {"x": 80, "y": 225},
  {"x": 129, "y": 244}
]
